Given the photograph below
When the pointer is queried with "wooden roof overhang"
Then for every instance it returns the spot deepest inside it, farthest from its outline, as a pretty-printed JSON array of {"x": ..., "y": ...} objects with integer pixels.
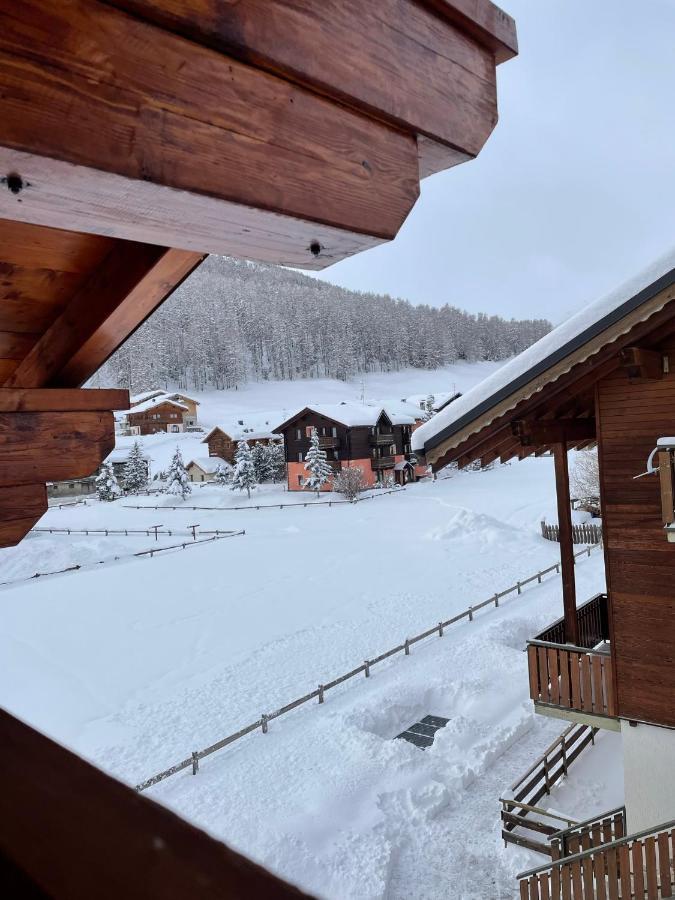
[{"x": 554, "y": 401}]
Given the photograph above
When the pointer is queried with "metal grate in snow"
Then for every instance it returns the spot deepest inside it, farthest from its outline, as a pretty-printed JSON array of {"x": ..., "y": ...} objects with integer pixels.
[{"x": 422, "y": 733}]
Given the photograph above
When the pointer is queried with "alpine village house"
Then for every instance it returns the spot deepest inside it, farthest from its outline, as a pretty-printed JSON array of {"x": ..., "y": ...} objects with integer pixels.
[
  {"x": 355, "y": 435},
  {"x": 605, "y": 377},
  {"x": 156, "y": 411},
  {"x": 137, "y": 137}
]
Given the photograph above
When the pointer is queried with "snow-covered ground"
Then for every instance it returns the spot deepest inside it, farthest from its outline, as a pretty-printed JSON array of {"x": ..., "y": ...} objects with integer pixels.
[{"x": 137, "y": 663}]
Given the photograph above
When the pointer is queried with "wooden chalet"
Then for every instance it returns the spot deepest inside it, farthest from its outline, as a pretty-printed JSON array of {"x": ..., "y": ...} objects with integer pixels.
[
  {"x": 222, "y": 441},
  {"x": 605, "y": 377},
  {"x": 353, "y": 435},
  {"x": 137, "y": 136}
]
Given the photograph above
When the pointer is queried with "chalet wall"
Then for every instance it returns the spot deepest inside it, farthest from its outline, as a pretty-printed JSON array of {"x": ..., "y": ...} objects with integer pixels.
[
  {"x": 640, "y": 562},
  {"x": 158, "y": 418},
  {"x": 649, "y": 786}
]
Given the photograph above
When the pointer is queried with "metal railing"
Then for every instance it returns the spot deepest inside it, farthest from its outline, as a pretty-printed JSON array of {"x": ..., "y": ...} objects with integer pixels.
[{"x": 261, "y": 724}]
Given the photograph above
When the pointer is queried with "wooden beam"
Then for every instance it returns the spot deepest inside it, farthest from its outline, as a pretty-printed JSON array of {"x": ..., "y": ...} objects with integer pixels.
[
  {"x": 53, "y": 446},
  {"x": 112, "y": 125},
  {"x": 64, "y": 400},
  {"x": 21, "y": 506},
  {"x": 547, "y": 431},
  {"x": 132, "y": 281},
  {"x": 367, "y": 55},
  {"x": 562, "y": 484},
  {"x": 642, "y": 363},
  {"x": 76, "y": 833}
]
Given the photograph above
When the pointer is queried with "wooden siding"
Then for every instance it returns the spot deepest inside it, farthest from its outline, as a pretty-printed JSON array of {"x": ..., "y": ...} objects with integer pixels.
[
  {"x": 224, "y": 446},
  {"x": 640, "y": 562},
  {"x": 158, "y": 418}
]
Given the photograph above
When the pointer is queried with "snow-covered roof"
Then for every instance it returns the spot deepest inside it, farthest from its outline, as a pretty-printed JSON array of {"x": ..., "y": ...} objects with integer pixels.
[
  {"x": 121, "y": 455},
  {"x": 352, "y": 415},
  {"x": 402, "y": 412},
  {"x": 586, "y": 327},
  {"x": 209, "y": 464},
  {"x": 153, "y": 402},
  {"x": 145, "y": 395},
  {"x": 255, "y": 430}
]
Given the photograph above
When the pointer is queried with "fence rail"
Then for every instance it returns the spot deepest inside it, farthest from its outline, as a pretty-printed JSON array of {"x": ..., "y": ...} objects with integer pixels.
[
  {"x": 147, "y": 532},
  {"x": 380, "y": 493},
  {"x": 82, "y": 567},
  {"x": 635, "y": 867},
  {"x": 581, "y": 534},
  {"x": 519, "y": 810},
  {"x": 601, "y": 829},
  {"x": 318, "y": 694}
]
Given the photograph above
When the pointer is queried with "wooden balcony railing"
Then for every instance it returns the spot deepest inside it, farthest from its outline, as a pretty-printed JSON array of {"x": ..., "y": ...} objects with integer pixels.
[
  {"x": 637, "y": 867},
  {"x": 329, "y": 442},
  {"x": 379, "y": 440},
  {"x": 382, "y": 462},
  {"x": 602, "y": 829},
  {"x": 574, "y": 677}
]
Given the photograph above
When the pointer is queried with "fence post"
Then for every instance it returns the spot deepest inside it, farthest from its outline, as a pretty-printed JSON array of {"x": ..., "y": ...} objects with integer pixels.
[
  {"x": 263, "y": 722},
  {"x": 589, "y": 551},
  {"x": 471, "y": 614},
  {"x": 407, "y": 647},
  {"x": 320, "y": 693},
  {"x": 539, "y": 577},
  {"x": 519, "y": 588},
  {"x": 367, "y": 670},
  {"x": 440, "y": 629},
  {"x": 195, "y": 762},
  {"x": 496, "y": 600}
]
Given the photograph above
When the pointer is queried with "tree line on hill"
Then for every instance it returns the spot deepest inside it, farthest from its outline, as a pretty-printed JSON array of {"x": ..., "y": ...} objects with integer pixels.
[{"x": 234, "y": 321}]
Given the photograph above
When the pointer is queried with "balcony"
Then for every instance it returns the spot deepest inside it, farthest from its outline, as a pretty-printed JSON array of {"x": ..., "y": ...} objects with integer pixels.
[
  {"x": 574, "y": 681},
  {"x": 382, "y": 462},
  {"x": 382, "y": 440},
  {"x": 329, "y": 443}
]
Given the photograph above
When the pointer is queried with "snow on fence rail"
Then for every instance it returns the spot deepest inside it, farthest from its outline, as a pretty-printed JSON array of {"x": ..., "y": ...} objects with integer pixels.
[
  {"x": 271, "y": 505},
  {"x": 192, "y": 531},
  {"x": 80, "y": 567},
  {"x": 264, "y": 720},
  {"x": 581, "y": 534}
]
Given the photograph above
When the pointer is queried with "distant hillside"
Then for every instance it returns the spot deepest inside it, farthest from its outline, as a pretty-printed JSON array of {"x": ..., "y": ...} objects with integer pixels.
[{"x": 233, "y": 322}]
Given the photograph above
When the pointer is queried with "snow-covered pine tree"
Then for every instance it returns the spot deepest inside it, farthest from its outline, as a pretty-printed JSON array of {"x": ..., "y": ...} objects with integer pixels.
[
  {"x": 316, "y": 463},
  {"x": 177, "y": 478},
  {"x": 429, "y": 407},
  {"x": 107, "y": 487},
  {"x": 135, "y": 473},
  {"x": 243, "y": 477},
  {"x": 222, "y": 475},
  {"x": 277, "y": 457},
  {"x": 261, "y": 462}
]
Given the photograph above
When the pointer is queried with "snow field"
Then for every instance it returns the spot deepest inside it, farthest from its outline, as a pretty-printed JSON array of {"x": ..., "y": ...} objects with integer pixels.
[{"x": 137, "y": 664}]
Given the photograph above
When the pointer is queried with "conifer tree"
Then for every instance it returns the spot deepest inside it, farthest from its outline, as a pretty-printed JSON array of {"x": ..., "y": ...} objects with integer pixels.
[
  {"x": 135, "y": 474},
  {"x": 178, "y": 480},
  {"x": 107, "y": 487},
  {"x": 277, "y": 457},
  {"x": 429, "y": 407},
  {"x": 261, "y": 462},
  {"x": 243, "y": 477},
  {"x": 316, "y": 463},
  {"x": 223, "y": 474}
]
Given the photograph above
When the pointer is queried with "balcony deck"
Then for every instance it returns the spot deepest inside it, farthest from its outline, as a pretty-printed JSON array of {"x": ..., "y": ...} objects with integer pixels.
[
  {"x": 380, "y": 440},
  {"x": 574, "y": 681},
  {"x": 383, "y": 462}
]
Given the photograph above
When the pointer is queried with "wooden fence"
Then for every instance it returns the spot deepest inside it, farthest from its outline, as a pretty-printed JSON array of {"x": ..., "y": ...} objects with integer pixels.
[
  {"x": 635, "y": 867},
  {"x": 111, "y": 559},
  {"x": 581, "y": 534},
  {"x": 192, "y": 531},
  {"x": 609, "y": 826},
  {"x": 571, "y": 678},
  {"x": 520, "y": 811},
  {"x": 261, "y": 724},
  {"x": 272, "y": 505}
]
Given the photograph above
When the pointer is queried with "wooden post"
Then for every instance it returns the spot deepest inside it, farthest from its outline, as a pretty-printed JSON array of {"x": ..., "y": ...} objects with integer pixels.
[{"x": 562, "y": 483}]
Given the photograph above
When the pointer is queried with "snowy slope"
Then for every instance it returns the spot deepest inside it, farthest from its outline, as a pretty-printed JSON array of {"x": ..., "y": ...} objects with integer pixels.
[{"x": 138, "y": 663}]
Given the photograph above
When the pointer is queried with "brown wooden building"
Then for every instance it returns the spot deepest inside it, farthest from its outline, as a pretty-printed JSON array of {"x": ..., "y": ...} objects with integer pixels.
[
  {"x": 353, "y": 435},
  {"x": 606, "y": 377},
  {"x": 223, "y": 443},
  {"x": 136, "y": 136}
]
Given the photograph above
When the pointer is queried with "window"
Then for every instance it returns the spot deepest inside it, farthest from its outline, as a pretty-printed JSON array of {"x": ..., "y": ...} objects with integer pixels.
[
  {"x": 334, "y": 431},
  {"x": 300, "y": 458},
  {"x": 308, "y": 430},
  {"x": 301, "y": 481},
  {"x": 298, "y": 434},
  {"x": 201, "y": 478}
]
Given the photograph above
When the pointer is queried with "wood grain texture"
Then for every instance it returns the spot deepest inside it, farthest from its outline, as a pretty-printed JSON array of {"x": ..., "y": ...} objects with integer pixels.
[
  {"x": 53, "y": 446},
  {"x": 21, "y": 506},
  {"x": 403, "y": 61},
  {"x": 87, "y": 84},
  {"x": 125, "y": 845},
  {"x": 62, "y": 400}
]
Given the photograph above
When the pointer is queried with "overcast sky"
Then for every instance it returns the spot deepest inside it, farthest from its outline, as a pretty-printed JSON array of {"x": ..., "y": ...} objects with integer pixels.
[{"x": 574, "y": 191}]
